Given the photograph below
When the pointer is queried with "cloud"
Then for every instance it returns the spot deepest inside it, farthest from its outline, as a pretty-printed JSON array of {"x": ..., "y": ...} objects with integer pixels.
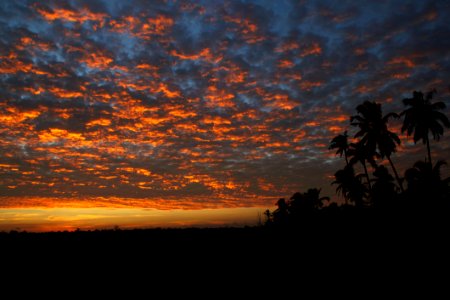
[{"x": 201, "y": 103}]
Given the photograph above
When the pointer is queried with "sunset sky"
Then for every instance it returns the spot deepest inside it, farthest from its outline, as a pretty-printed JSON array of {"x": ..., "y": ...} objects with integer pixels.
[{"x": 114, "y": 112}]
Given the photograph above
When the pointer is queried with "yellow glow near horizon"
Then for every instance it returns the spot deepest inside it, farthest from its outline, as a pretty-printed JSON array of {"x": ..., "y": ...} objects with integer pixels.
[{"x": 39, "y": 219}]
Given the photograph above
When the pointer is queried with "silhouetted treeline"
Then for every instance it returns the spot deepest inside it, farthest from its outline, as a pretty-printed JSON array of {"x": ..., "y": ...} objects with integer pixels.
[{"x": 420, "y": 191}]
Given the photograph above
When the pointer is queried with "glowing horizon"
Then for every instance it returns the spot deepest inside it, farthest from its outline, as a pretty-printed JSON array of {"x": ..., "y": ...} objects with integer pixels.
[
  {"x": 39, "y": 214},
  {"x": 39, "y": 219}
]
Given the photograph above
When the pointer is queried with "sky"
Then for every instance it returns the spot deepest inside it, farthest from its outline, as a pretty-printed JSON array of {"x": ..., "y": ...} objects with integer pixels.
[{"x": 169, "y": 106}]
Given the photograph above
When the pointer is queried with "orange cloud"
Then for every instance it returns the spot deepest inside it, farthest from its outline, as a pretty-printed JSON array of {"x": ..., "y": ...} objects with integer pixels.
[
  {"x": 13, "y": 118},
  {"x": 405, "y": 61},
  {"x": 313, "y": 49},
  {"x": 359, "y": 51},
  {"x": 309, "y": 85},
  {"x": 265, "y": 185},
  {"x": 236, "y": 77},
  {"x": 312, "y": 124},
  {"x": 430, "y": 16},
  {"x": 179, "y": 111},
  {"x": 61, "y": 93},
  {"x": 219, "y": 98},
  {"x": 136, "y": 85},
  {"x": 33, "y": 90},
  {"x": 155, "y": 120},
  {"x": 340, "y": 118},
  {"x": 127, "y": 22},
  {"x": 288, "y": 46},
  {"x": 204, "y": 54},
  {"x": 142, "y": 28},
  {"x": 81, "y": 16},
  {"x": 11, "y": 64},
  {"x": 99, "y": 122},
  {"x": 216, "y": 120},
  {"x": 336, "y": 129},
  {"x": 147, "y": 67},
  {"x": 26, "y": 42},
  {"x": 56, "y": 134},
  {"x": 401, "y": 75},
  {"x": 363, "y": 89},
  {"x": 97, "y": 60},
  {"x": 247, "y": 28},
  {"x": 280, "y": 101},
  {"x": 285, "y": 63},
  {"x": 277, "y": 145},
  {"x": 210, "y": 182},
  {"x": 163, "y": 88},
  {"x": 158, "y": 25}
]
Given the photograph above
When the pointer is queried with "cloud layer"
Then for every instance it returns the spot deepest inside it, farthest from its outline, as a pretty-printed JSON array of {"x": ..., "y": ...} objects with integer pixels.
[{"x": 202, "y": 104}]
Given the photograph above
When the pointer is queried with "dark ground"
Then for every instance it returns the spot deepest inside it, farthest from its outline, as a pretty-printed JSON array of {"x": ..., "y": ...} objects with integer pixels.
[
  {"x": 372, "y": 253},
  {"x": 321, "y": 236}
]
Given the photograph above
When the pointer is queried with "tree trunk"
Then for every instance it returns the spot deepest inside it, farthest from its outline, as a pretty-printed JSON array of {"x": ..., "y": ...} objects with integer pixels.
[
  {"x": 395, "y": 173},
  {"x": 429, "y": 151},
  {"x": 367, "y": 175},
  {"x": 346, "y": 158}
]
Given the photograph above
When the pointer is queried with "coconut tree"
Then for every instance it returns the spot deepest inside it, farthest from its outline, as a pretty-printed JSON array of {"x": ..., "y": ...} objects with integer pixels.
[
  {"x": 307, "y": 202},
  {"x": 374, "y": 133},
  {"x": 340, "y": 142},
  {"x": 426, "y": 187},
  {"x": 358, "y": 153},
  {"x": 281, "y": 214},
  {"x": 314, "y": 197},
  {"x": 383, "y": 193},
  {"x": 423, "y": 117},
  {"x": 350, "y": 186}
]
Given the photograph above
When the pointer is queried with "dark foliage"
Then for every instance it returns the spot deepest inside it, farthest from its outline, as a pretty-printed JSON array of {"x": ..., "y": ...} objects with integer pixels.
[{"x": 423, "y": 117}]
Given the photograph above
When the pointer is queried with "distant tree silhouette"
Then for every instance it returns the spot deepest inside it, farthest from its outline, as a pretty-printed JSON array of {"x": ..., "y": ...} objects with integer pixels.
[
  {"x": 426, "y": 188},
  {"x": 350, "y": 186},
  {"x": 423, "y": 117},
  {"x": 269, "y": 217},
  {"x": 302, "y": 203},
  {"x": 299, "y": 207},
  {"x": 281, "y": 214},
  {"x": 383, "y": 192},
  {"x": 358, "y": 153},
  {"x": 313, "y": 196},
  {"x": 340, "y": 142},
  {"x": 374, "y": 133}
]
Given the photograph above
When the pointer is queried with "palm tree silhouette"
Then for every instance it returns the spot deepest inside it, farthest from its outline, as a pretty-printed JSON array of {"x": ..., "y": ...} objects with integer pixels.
[
  {"x": 268, "y": 215},
  {"x": 358, "y": 153},
  {"x": 281, "y": 214},
  {"x": 423, "y": 117},
  {"x": 425, "y": 183},
  {"x": 384, "y": 190},
  {"x": 307, "y": 202},
  {"x": 340, "y": 142},
  {"x": 314, "y": 197},
  {"x": 374, "y": 132},
  {"x": 350, "y": 186}
]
